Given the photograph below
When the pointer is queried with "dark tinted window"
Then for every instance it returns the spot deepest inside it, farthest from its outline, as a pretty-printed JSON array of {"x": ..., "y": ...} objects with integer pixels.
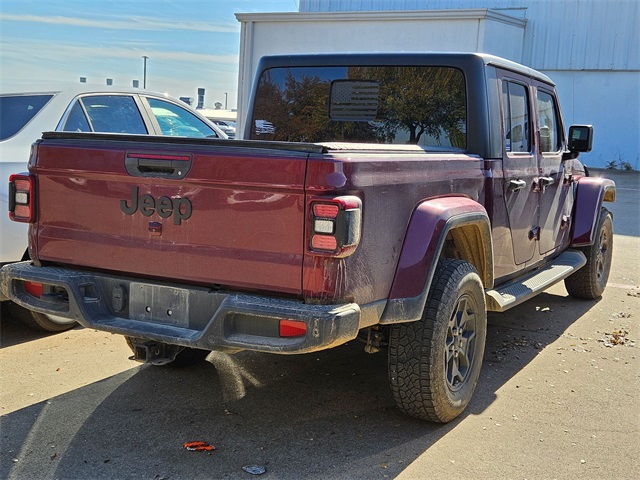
[
  {"x": 17, "y": 110},
  {"x": 515, "y": 103},
  {"x": 114, "y": 114},
  {"x": 402, "y": 105},
  {"x": 77, "y": 120}
]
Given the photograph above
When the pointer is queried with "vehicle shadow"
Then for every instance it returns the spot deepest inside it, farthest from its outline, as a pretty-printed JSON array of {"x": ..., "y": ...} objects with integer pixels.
[
  {"x": 323, "y": 415},
  {"x": 13, "y": 332}
]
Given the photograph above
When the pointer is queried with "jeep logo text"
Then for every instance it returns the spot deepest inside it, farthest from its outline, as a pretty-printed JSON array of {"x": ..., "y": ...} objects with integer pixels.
[{"x": 180, "y": 208}]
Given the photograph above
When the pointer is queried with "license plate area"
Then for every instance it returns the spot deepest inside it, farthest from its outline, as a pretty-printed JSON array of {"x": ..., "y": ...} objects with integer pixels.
[{"x": 160, "y": 304}]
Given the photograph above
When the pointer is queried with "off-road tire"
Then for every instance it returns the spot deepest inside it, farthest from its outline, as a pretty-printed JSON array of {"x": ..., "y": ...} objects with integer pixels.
[
  {"x": 40, "y": 321},
  {"x": 185, "y": 358},
  {"x": 590, "y": 281},
  {"x": 434, "y": 363}
]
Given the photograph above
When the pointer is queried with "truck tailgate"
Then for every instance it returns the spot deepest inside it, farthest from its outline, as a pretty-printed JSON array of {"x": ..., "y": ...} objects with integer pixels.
[{"x": 206, "y": 212}]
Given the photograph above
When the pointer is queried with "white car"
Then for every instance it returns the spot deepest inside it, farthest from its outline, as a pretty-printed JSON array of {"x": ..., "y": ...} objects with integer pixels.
[
  {"x": 225, "y": 119},
  {"x": 227, "y": 126},
  {"x": 24, "y": 115}
]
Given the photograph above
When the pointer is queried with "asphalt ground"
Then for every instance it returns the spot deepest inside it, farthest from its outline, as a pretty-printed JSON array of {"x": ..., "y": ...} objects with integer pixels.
[{"x": 558, "y": 397}]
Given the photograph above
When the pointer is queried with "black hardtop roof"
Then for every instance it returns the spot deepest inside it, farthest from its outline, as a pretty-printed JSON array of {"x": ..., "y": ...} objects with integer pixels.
[{"x": 459, "y": 59}]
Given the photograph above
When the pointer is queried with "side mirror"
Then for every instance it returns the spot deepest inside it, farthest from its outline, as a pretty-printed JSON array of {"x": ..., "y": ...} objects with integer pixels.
[{"x": 580, "y": 138}]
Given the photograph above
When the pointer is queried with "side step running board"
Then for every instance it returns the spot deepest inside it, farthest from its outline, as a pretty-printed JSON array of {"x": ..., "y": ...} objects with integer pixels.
[{"x": 514, "y": 293}]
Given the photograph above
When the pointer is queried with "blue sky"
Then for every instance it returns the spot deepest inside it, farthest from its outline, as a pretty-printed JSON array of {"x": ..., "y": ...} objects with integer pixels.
[{"x": 190, "y": 43}]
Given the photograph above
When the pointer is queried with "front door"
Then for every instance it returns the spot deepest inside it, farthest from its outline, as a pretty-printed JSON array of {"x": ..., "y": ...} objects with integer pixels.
[{"x": 554, "y": 188}]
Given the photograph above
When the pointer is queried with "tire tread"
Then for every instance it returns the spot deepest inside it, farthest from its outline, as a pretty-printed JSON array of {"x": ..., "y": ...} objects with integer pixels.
[
  {"x": 411, "y": 351},
  {"x": 583, "y": 284}
]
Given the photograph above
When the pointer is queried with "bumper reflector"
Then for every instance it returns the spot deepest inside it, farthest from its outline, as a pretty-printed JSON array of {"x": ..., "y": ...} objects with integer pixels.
[
  {"x": 33, "y": 288},
  {"x": 292, "y": 328}
]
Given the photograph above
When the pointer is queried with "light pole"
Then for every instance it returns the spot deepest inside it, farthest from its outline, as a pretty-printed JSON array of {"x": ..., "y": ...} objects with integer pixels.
[
  {"x": 144, "y": 74},
  {"x": 225, "y": 100}
]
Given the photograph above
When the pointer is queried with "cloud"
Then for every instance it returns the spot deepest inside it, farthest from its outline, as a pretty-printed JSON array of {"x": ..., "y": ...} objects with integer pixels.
[
  {"x": 179, "y": 73},
  {"x": 62, "y": 53},
  {"x": 128, "y": 23}
]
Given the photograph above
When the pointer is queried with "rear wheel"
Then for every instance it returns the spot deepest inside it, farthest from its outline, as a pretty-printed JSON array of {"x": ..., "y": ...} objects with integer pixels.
[
  {"x": 40, "y": 321},
  {"x": 590, "y": 281},
  {"x": 434, "y": 363}
]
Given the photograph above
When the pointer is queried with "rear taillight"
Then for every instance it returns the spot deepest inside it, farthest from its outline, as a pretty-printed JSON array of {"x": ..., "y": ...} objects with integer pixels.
[
  {"x": 335, "y": 225},
  {"x": 21, "y": 198}
]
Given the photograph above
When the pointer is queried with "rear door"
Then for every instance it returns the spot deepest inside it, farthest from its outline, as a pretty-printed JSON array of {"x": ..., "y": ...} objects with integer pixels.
[
  {"x": 198, "y": 211},
  {"x": 519, "y": 165}
]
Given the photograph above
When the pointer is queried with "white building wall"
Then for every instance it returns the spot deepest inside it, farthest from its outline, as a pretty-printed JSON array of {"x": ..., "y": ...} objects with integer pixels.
[
  {"x": 451, "y": 30},
  {"x": 614, "y": 115},
  {"x": 590, "y": 48},
  {"x": 561, "y": 34}
]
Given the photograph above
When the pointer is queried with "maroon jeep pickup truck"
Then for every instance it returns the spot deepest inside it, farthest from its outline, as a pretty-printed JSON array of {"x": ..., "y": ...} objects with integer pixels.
[{"x": 393, "y": 198}]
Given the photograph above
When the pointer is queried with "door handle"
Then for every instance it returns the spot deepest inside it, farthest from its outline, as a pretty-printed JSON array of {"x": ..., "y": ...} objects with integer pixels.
[
  {"x": 546, "y": 181},
  {"x": 515, "y": 185},
  {"x": 158, "y": 165},
  {"x": 540, "y": 184}
]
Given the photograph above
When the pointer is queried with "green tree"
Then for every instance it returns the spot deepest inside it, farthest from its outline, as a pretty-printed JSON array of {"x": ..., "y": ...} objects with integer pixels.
[{"x": 420, "y": 100}]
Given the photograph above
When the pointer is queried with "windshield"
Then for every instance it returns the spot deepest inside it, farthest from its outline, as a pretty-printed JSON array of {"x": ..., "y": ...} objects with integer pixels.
[
  {"x": 419, "y": 105},
  {"x": 17, "y": 110}
]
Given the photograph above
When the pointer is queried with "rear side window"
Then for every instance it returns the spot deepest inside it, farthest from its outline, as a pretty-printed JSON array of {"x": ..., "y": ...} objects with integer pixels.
[
  {"x": 421, "y": 105},
  {"x": 515, "y": 103},
  {"x": 17, "y": 110},
  {"x": 114, "y": 114}
]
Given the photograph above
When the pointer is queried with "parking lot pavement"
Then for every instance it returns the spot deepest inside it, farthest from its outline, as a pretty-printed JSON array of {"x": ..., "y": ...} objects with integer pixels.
[{"x": 557, "y": 398}]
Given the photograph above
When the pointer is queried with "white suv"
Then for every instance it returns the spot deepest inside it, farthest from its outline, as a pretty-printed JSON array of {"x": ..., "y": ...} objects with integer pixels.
[{"x": 24, "y": 115}]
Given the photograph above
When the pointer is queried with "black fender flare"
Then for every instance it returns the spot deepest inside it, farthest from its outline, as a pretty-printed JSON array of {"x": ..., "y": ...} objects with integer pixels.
[
  {"x": 432, "y": 220},
  {"x": 590, "y": 193}
]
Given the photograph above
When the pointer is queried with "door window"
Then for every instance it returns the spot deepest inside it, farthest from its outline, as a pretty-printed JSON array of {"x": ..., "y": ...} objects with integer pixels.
[
  {"x": 114, "y": 114},
  {"x": 179, "y": 122},
  {"x": 516, "y": 117},
  {"x": 547, "y": 123},
  {"x": 77, "y": 120}
]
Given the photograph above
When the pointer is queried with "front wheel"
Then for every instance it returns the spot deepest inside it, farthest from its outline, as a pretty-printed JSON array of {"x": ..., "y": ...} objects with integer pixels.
[
  {"x": 40, "y": 321},
  {"x": 434, "y": 363},
  {"x": 590, "y": 281}
]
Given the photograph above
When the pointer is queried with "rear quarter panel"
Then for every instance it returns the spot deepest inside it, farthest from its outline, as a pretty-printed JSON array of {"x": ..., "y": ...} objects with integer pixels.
[{"x": 390, "y": 185}]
